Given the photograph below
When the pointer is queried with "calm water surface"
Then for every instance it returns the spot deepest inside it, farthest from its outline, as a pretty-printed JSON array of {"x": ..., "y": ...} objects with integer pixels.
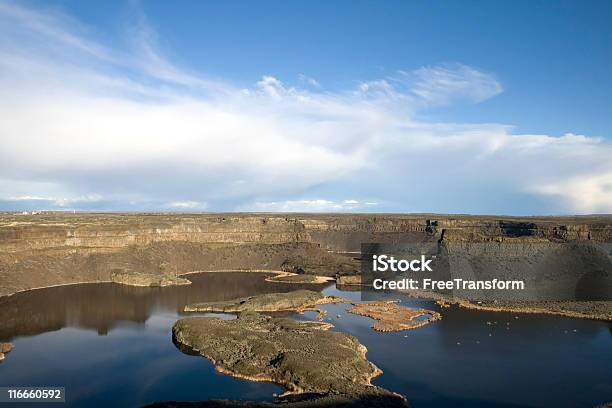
[{"x": 110, "y": 345}]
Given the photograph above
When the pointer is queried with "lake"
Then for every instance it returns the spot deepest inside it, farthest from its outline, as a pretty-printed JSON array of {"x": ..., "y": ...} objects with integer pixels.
[{"x": 110, "y": 345}]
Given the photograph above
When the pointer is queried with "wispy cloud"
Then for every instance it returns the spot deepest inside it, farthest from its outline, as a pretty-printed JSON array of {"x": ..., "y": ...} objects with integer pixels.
[
  {"x": 309, "y": 81},
  {"x": 435, "y": 86},
  {"x": 439, "y": 85},
  {"x": 586, "y": 193},
  {"x": 42, "y": 202},
  {"x": 317, "y": 205},
  {"x": 49, "y": 29},
  {"x": 186, "y": 205},
  {"x": 131, "y": 128}
]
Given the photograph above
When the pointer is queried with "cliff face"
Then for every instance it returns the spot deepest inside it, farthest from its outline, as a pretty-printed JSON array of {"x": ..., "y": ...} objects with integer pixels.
[
  {"x": 57, "y": 248},
  {"x": 333, "y": 232}
]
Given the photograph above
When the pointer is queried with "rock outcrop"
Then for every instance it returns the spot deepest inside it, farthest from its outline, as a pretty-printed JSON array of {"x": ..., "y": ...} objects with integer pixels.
[
  {"x": 147, "y": 279},
  {"x": 349, "y": 280},
  {"x": 304, "y": 358},
  {"x": 5, "y": 348}
]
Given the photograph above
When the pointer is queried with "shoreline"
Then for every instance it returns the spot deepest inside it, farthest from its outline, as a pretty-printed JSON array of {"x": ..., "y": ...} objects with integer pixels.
[
  {"x": 527, "y": 310},
  {"x": 441, "y": 299},
  {"x": 320, "y": 279}
]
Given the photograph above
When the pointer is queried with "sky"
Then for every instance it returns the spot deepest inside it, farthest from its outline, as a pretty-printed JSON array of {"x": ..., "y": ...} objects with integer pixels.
[{"x": 309, "y": 106}]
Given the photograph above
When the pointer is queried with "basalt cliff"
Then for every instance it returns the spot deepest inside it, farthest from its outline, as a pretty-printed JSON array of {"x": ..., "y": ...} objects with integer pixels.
[{"x": 62, "y": 248}]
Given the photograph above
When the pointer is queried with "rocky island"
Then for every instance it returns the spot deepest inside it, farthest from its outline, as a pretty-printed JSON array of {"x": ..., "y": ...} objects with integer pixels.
[
  {"x": 147, "y": 279},
  {"x": 392, "y": 317},
  {"x": 296, "y": 301},
  {"x": 320, "y": 367}
]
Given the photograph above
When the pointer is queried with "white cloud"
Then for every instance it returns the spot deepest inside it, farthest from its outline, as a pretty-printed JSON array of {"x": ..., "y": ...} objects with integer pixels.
[
  {"x": 52, "y": 29},
  {"x": 133, "y": 129},
  {"x": 29, "y": 198},
  {"x": 440, "y": 85},
  {"x": 318, "y": 205},
  {"x": 187, "y": 204},
  {"x": 272, "y": 87},
  {"x": 55, "y": 202},
  {"x": 309, "y": 81},
  {"x": 586, "y": 194}
]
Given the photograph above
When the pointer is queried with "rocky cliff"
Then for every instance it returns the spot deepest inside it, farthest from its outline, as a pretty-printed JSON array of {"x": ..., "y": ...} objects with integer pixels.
[{"x": 59, "y": 248}]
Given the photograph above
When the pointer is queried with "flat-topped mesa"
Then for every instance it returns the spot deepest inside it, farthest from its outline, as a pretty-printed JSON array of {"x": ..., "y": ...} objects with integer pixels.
[
  {"x": 147, "y": 279},
  {"x": 302, "y": 357},
  {"x": 5, "y": 348},
  {"x": 334, "y": 232},
  {"x": 296, "y": 301}
]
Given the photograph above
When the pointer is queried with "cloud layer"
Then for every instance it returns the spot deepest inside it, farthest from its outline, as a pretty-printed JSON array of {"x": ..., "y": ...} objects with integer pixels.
[{"x": 88, "y": 126}]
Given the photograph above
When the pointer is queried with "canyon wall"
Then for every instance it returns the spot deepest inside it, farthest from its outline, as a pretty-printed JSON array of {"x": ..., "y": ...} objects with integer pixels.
[{"x": 58, "y": 248}]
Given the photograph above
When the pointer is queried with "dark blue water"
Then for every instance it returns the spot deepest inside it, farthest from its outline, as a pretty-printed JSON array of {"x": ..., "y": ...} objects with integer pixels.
[
  {"x": 488, "y": 359},
  {"x": 110, "y": 345}
]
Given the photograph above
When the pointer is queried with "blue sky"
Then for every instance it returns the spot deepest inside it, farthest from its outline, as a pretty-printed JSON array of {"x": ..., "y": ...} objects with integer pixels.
[
  {"x": 554, "y": 58},
  {"x": 459, "y": 107}
]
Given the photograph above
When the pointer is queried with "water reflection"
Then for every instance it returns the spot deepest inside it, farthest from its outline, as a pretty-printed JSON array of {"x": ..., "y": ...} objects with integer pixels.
[
  {"x": 102, "y": 306},
  {"x": 111, "y": 345}
]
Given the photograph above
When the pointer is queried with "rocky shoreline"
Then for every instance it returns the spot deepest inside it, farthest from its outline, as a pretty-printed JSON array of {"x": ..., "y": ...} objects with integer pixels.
[
  {"x": 5, "y": 348},
  {"x": 592, "y": 310}
]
